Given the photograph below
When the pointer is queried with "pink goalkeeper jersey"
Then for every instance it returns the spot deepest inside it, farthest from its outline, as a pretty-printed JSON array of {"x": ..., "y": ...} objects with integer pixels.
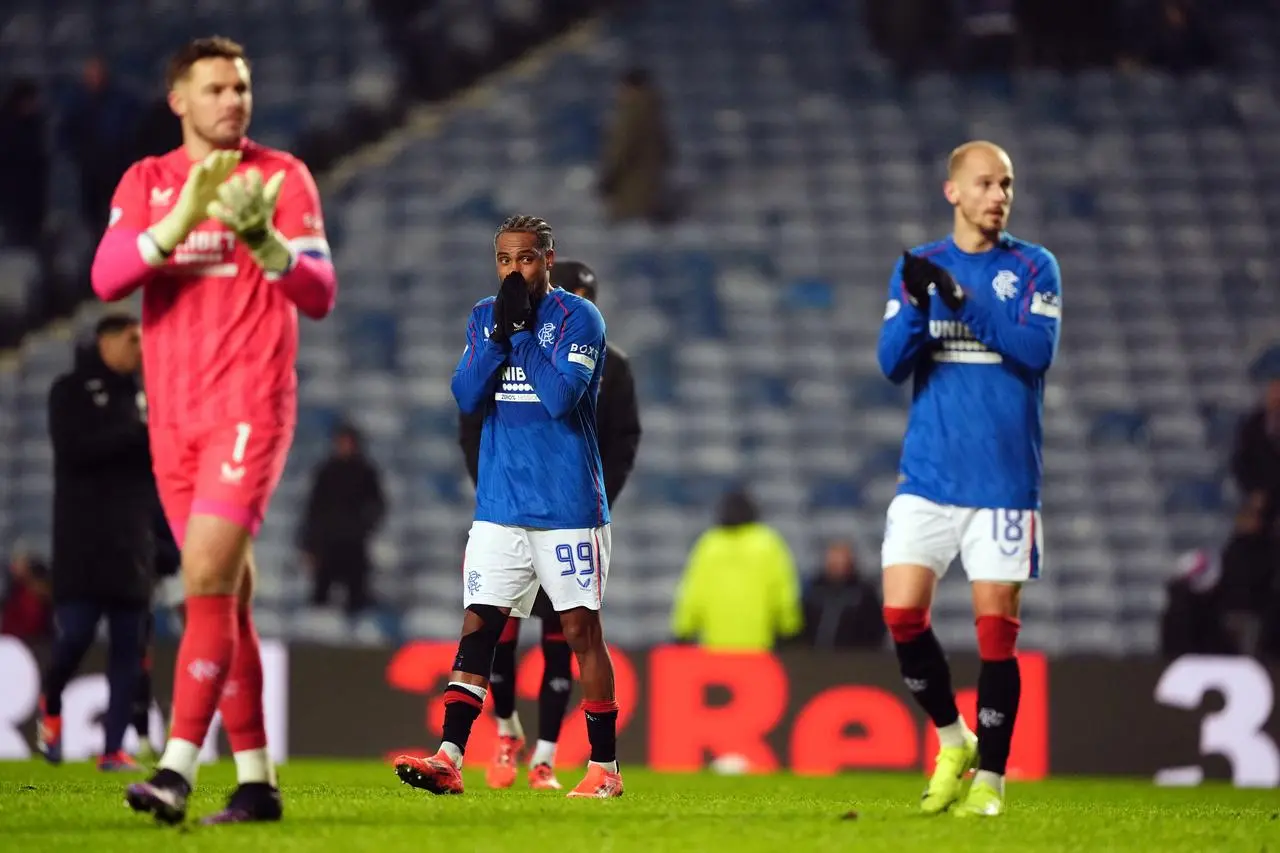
[{"x": 219, "y": 337}]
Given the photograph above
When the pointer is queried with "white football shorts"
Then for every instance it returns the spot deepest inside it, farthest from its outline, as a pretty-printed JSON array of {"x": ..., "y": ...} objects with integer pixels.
[
  {"x": 999, "y": 545},
  {"x": 504, "y": 566}
]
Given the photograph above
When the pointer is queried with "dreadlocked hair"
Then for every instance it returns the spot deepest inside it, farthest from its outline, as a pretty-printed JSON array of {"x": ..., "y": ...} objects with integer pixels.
[{"x": 546, "y": 241}]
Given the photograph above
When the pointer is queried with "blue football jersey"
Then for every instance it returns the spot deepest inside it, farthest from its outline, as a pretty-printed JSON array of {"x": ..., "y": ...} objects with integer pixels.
[
  {"x": 975, "y": 431},
  {"x": 539, "y": 457}
]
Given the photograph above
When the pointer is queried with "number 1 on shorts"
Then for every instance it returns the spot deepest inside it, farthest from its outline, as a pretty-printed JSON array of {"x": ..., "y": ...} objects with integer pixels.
[{"x": 242, "y": 442}]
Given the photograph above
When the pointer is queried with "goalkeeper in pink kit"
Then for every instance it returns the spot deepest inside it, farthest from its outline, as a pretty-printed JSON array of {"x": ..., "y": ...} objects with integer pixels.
[{"x": 226, "y": 239}]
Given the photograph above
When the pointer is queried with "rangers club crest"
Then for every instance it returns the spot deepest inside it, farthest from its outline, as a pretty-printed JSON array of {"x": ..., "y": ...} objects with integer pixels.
[{"x": 547, "y": 335}]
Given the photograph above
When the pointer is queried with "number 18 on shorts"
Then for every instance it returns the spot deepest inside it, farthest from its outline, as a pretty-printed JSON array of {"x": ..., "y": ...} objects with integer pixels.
[
  {"x": 504, "y": 566},
  {"x": 1000, "y": 545}
]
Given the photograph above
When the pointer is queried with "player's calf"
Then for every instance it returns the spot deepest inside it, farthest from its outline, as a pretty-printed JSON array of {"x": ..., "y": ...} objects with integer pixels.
[
  {"x": 501, "y": 772},
  {"x": 999, "y": 692},
  {"x": 585, "y": 636},
  {"x": 926, "y": 673},
  {"x": 925, "y": 670},
  {"x": 553, "y": 696},
  {"x": 214, "y": 557}
]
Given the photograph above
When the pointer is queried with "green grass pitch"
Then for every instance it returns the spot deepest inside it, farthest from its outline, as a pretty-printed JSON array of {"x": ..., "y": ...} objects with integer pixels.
[{"x": 335, "y": 807}]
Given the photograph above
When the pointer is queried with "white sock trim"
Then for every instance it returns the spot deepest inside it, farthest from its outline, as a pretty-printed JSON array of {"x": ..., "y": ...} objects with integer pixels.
[
  {"x": 453, "y": 751},
  {"x": 182, "y": 757},
  {"x": 956, "y": 734},
  {"x": 510, "y": 727},
  {"x": 254, "y": 765},
  {"x": 474, "y": 689},
  {"x": 544, "y": 752},
  {"x": 988, "y": 777}
]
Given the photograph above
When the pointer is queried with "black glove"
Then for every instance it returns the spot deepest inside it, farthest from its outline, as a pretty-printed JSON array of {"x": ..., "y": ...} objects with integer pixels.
[
  {"x": 514, "y": 309},
  {"x": 498, "y": 334},
  {"x": 942, "y": 282},
  {"x": 915, "y": 282}
]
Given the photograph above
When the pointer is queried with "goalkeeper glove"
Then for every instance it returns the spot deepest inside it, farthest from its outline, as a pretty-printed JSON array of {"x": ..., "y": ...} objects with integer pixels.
[
  {"x": 513, "y": 310},
  {"x": 914, "y": 282},
  {"x": 247, "y": 207},
  {"x": 190, "y": 210}
]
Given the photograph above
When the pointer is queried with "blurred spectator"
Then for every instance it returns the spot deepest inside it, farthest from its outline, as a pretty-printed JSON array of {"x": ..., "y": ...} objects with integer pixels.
[
  {"x": 1193, "y": 621},
  {"x": 1169, "y": 34},
  {"x": 988, "y": 34},
  {"x": 841, "y": 609},
  {"x": 24, "y": 164},
  {"x": 104, "y": 527},
  {"x": 99, "y": 123},
  {"x": 916, "y": 35},
  {"x": 739, "y": 592},
  {"x": 1251, "y": 556},
  {"x": 638, "y": 153},
  {"x": 26, "y": 609},
  {"x": 159, "y": 130},
  {"x": 344, "y": 510}
]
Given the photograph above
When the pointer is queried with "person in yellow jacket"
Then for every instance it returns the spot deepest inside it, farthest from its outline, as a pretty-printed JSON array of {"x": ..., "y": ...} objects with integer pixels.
[{"x": 740, "y": 591}]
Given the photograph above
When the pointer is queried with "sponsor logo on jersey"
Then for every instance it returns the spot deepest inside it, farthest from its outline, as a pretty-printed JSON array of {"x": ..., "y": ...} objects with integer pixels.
[
  {"x": 515, "y": 387},
  {"x": 1046, "y": 305},
  {"x": 207, "y": 253},
  {"x": 1005, "y": 284},
  {"x": 584, "y": 354},
  {"x": 159, "y": 197},
  {"x": 959, "y": 344}
]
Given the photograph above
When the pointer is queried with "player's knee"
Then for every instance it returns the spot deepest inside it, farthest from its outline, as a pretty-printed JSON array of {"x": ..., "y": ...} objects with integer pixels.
[
  {"x": 997, "y": 637},
  {"x": 510, "y": 631},
  {"x": 581, "y": 628},
  {"x": 248, "y": 580},
  {"x": 906, "y": 623},
  {"x": 213, "y": 556},
  {"x": 482, "y": 628},
  {"x": 557, "y": 657}
]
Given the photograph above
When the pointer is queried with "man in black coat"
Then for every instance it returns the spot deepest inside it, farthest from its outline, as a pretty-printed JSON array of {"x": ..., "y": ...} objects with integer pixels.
[
  {"x": 344, "y": 510},
  {"x": 103, "y": 528},
  {"x": 618, "y": 419}
]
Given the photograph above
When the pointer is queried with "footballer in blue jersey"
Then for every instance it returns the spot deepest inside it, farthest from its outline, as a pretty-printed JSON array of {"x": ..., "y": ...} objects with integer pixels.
[
  {"x": 973, "y": 320},
  {"x": 532, "y": 364}
]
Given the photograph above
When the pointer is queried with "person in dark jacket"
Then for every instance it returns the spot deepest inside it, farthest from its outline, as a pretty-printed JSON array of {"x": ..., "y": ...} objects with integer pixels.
[
  {"x": 1193, "y": 622},
  {"x": 1251, "y": 559},
  {"x": 618, "y": 419},
  {"x": 103, "y": 527},
  {"x": 842, "y": 610},
  {"x": 24, "y": 164},
  {"x": 345, "y": 508}
]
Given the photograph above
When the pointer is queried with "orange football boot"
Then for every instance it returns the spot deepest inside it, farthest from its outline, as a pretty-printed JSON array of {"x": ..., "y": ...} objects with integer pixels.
[
  {"x": 437, "y": 773},
  {"x": 599, "y": 783},
  {"x": 501, "y": 772},
  {"x": 543, "y": 778}
]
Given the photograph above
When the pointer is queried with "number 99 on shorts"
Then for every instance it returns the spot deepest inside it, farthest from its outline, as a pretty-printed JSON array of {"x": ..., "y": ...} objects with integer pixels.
[{"x": 505, "y": 565}]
